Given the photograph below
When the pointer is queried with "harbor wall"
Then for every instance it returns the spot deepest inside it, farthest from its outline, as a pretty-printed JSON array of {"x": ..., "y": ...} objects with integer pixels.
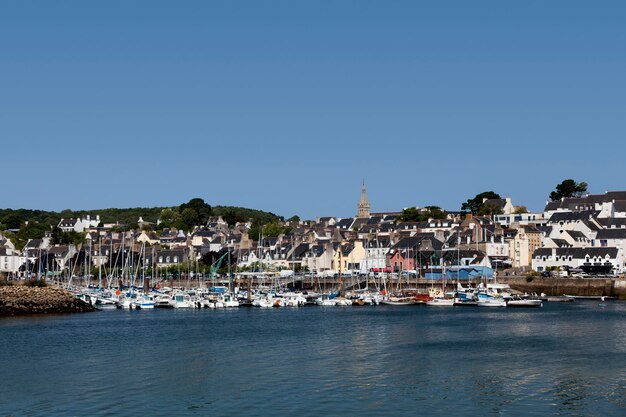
[{"x": 615, "y": 287}]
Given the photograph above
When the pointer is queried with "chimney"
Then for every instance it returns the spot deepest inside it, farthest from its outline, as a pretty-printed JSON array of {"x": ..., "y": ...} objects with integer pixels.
[{"x": 468, "y": 216}]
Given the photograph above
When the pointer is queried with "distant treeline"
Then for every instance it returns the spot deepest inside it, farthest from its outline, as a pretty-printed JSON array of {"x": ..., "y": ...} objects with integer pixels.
[{"x": 15, "y": 218}]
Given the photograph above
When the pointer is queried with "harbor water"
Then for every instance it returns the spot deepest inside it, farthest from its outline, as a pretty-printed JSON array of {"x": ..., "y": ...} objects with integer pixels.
[{"x": 561, "y": 359}]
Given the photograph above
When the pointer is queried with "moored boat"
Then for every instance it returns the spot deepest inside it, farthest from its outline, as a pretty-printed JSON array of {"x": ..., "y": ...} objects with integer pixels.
[
  {"x": 441, "y": 302},
  {"x": 524, "y": 303}
]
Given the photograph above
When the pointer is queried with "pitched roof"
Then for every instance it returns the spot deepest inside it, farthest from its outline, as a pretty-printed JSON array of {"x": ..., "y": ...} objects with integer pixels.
[
  {"x": 620, "y": 206},
  {"x": 612, "y": 222},
  {"x": 561, "y": 243},
  {"x": 345, "y": 223},
  {"x": 576, "y": 235},
  {"x": 611, "y": 234},
  {"x": 569, "y": 216},
  {"x": 615, "y": 195}
]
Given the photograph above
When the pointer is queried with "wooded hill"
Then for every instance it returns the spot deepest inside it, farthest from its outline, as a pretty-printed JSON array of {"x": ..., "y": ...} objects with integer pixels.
[{"x": 198, "y": 212}]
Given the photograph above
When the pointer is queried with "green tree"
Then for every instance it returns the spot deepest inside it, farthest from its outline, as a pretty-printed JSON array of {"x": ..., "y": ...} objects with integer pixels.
[
  {"x": 568, "y": 188},
  {"x": 435, "y": 212},
  {"x": 11, "y": 221},
  {"x": 274, "y": 229},
  {"x": 190, "y": 218},
  {"x": 168, "y": 218},
  {"x": 255, "y": 231},
  {"x": 30, "y": 230},
  {"x": 473, "y": 205},
  {"x": 410, "y": 214},
  {"x": 414, "y": 214},
  {"x": 232, "y": 217},
  {"x": 202, "y": 209},
  {"x": 488, "y": 210}
]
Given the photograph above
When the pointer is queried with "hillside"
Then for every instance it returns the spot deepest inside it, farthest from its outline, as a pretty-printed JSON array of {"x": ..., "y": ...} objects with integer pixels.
[{"x": 15, "y": 218}]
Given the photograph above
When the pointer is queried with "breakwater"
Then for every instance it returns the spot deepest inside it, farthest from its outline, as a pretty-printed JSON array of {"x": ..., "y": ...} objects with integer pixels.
[
  {"x": 614, "y": 287},
  {"x": 20, "y": 300}
]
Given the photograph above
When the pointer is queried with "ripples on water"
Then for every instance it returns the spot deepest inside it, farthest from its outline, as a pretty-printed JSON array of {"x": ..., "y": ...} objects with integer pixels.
[{"x": 563, "y": 359}]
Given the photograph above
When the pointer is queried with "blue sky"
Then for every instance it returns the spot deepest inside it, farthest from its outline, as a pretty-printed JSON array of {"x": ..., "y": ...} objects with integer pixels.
[{"x": 287, "y": 106}]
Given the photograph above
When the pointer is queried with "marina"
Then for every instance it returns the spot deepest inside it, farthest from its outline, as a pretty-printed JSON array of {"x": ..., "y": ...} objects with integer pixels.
[{"x": 218, "y": 297}]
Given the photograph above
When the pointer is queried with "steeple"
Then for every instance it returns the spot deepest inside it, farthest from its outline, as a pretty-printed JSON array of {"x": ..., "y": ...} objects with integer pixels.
[{"x": 364, "y": 206}]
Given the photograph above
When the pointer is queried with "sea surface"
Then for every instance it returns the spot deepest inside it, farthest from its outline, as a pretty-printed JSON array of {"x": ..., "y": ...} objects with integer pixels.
[{"x": 565, "y": 359}]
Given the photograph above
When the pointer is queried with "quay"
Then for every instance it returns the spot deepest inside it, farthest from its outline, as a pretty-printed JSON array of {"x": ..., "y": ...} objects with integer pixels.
[{"x": 551, "y": 286}]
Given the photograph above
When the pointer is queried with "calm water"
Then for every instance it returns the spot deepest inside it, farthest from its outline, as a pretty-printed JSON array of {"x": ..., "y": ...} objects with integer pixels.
[{"x": 563, "y": 359}]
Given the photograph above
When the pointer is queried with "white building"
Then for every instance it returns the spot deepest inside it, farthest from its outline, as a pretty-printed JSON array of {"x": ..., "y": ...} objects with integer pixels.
[
  {"x": 10, "y": 261},
  {"x": 595, "y": 260},
  {"x": 79, "y": 225}
]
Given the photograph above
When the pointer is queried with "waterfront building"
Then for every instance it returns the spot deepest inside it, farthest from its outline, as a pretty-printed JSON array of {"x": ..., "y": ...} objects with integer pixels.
[{"x": 592, "y": 260}]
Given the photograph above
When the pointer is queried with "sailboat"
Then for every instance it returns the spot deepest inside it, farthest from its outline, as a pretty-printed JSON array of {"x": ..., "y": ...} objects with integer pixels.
[{"x": 438, "y": 295}]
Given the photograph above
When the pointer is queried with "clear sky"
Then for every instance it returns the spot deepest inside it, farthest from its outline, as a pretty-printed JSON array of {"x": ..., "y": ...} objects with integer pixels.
[{"x": 287, "y": 106}]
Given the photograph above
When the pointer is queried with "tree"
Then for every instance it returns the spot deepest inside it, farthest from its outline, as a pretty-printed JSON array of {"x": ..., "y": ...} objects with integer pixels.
[
  {"x": 488, "y": 210},
  {"x": 415, "y": 214},
  {"x": 255, "y": 231},
  {"x": 410, "y": 214},
  {"x": 435, "y": 212},
  {"x": 190, "y": 218},
  {"x": 568, "y": 188},
  {"x": 202, "y": 209},
  {"x": 473, "y": 205},
  {"x": 294, "y": 218},
  {"x": 274, "y": 229},
  {"x": 11, "y": 221},
  {"x": 232, "y": 217},
  {"x": 168, "y": 218}
]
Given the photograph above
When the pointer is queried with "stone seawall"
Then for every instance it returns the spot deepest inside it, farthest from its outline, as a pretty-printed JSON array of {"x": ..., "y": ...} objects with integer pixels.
[
  {"x": 615, "y": 287},
  {"x": 19, "y": 300}
]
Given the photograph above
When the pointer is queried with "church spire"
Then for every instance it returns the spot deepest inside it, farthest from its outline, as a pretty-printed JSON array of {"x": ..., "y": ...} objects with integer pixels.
[{"x": 364, "y": 206}]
